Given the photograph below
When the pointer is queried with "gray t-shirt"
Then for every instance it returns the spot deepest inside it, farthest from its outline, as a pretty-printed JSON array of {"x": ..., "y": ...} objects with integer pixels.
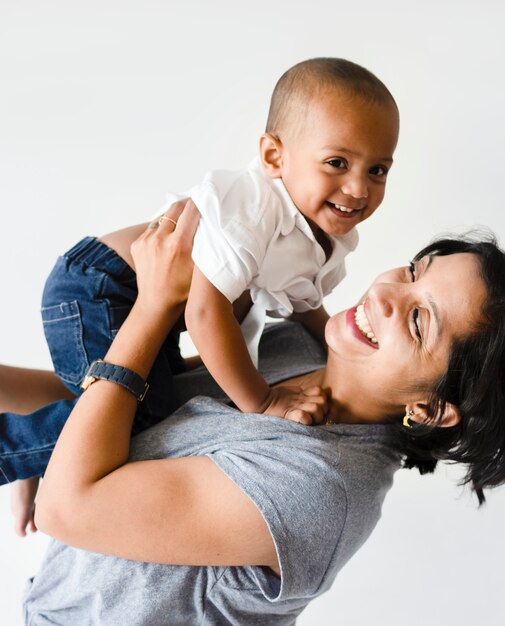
[{"x": 319, "y": 488}]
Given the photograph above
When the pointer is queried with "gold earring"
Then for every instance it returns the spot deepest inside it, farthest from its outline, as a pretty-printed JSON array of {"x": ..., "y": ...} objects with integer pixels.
[{"x": 406, "y": 419}]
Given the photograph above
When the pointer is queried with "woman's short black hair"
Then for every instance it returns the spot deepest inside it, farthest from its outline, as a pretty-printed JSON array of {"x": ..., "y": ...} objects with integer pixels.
[{"x": 474, "y": 382}]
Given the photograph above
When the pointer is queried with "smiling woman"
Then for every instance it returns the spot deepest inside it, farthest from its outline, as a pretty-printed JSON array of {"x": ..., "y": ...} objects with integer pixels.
[
  {"x": 471, "y": 387},
  {"x": 245, "y": 518},
  {"x": 415, "y": 323}
]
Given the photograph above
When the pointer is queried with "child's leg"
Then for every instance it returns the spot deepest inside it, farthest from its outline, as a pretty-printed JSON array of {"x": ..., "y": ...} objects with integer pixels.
[
  {"x": 23, "y": 494},
  {"x": 78, "y": 317},
  {"x": 86, "y": 299},
  {"x": 26, "y": 441},
  {"x": 23, "y": 390}
]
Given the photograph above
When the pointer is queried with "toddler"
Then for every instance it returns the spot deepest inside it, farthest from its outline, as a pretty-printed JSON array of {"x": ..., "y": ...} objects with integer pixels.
[{"x": 271, "y": 240}]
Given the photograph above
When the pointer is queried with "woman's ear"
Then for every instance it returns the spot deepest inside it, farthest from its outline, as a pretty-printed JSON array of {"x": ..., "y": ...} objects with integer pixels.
[
  {"x": 420, "y": 414},
  {"x": 271, "y": 155}
]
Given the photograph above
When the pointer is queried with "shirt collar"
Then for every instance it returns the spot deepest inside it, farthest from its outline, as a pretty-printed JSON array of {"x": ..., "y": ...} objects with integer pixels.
[{"x": 293, "y": 216}]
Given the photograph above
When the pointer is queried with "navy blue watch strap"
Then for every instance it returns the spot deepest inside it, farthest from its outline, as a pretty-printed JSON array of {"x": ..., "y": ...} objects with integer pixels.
[{"x": 99, "y": 370}]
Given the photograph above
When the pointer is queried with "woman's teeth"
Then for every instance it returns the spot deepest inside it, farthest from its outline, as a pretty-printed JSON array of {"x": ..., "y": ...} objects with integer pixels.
[{"x": 362, "y": 323}]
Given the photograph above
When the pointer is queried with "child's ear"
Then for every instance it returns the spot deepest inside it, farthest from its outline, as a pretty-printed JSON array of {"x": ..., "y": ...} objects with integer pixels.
[
  {"x": 271, "y": 155},
  {"x": 421, "y": 414}
]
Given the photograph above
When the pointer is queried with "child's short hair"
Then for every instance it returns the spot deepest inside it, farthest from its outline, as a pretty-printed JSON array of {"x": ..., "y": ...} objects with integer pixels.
[{"x": 305, "y": 80}]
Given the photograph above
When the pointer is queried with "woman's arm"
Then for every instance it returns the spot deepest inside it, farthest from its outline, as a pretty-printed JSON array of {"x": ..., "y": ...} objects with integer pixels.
[{"x": 180, "y": 511}]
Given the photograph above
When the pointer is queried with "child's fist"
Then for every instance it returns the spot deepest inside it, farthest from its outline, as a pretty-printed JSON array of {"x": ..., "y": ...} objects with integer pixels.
[{"x": 306, "y": 406}]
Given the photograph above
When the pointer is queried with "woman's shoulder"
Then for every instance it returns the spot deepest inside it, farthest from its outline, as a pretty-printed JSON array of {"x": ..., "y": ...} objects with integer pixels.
[{"x": 294, "y": 474}]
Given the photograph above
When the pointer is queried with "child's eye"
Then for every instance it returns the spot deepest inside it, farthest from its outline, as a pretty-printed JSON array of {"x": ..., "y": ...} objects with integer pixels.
[
  {"x": 338, "y": 163},
  {"x": 378, "y": 170}
]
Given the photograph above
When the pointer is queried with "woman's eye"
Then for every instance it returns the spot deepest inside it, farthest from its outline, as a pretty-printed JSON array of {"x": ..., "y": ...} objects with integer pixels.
[
  {"x": 378, "y": 170},
  {"x": 415, "y": 317},
  {"x": 415, "y": 314},
  {"x": 338, "y": 163}
]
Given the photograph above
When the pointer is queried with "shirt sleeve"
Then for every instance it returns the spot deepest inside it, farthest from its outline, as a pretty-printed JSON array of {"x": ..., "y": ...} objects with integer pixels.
[
  {"x": 237, "y": 222},
  {"x": 292, "y": 486}
]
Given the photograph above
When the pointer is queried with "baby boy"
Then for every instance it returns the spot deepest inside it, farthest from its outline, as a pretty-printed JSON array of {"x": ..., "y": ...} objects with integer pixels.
[{"x": 272, "y": 240}]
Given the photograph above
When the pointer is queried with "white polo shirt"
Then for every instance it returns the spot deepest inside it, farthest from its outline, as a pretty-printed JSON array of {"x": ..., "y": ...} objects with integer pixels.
[{"x": 252, "y": 236}]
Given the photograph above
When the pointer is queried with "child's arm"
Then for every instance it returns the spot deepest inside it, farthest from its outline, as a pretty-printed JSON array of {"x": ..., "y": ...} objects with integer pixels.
[
  {"x": 219, "y": 340},
  {"x": 314, "y": 321}
]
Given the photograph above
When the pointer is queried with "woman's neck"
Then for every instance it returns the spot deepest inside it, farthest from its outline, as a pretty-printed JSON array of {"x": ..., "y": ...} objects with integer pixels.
[{"x": 344, "y": 408}]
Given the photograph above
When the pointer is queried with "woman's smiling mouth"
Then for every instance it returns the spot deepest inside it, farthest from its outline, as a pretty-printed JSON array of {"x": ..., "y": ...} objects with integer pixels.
[{"x": 360, "y": 326}]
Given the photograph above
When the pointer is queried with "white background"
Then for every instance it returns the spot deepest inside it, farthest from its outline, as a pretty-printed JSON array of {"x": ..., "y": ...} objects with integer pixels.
[{"x": 106, "y": 105}]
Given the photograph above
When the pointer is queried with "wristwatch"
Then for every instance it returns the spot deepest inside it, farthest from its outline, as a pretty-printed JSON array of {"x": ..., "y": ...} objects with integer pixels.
[{"x": 99, "y": 370}]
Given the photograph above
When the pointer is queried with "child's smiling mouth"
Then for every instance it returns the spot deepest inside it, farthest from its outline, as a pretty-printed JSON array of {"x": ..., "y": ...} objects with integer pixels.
[{"x": 343, "y": 211}]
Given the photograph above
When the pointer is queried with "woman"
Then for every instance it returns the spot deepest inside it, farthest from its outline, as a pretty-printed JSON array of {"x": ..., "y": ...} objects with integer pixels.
[{"x": 253, "y": 516}]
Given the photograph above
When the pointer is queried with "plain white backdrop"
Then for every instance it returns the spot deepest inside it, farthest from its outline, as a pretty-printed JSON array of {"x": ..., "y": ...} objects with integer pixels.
[{"x": 105, "y": 105}]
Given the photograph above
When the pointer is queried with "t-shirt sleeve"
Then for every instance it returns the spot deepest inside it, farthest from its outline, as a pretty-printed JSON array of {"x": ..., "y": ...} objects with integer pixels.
[
  {"x": 302, "y": 500},
  {"x": 234, "y": 231}
]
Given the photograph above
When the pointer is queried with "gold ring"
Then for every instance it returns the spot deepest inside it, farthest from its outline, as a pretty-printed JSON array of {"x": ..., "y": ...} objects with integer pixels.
[{"x": 164, "y": 218}]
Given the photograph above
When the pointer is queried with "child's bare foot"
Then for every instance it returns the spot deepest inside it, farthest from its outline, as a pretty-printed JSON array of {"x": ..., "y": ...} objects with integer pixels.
[{"x": 23, "y": 505}]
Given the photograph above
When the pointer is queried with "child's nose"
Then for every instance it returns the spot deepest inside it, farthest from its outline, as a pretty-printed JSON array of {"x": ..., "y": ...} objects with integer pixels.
[{"x": 355, "y": 186}]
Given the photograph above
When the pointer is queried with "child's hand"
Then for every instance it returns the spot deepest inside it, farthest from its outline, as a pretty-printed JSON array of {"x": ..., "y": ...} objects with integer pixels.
[{"x": 306, "y": 406}]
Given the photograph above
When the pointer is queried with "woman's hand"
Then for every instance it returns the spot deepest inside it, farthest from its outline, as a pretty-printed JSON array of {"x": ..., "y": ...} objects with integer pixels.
[{"x": 162, "y": 257}]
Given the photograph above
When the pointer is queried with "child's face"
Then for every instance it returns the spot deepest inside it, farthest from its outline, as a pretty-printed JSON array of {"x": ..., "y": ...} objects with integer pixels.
[{"x": 335, "y": 166}]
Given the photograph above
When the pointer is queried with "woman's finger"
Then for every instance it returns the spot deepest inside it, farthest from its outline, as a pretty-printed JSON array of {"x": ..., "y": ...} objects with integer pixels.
[
  {"x": 175, "y": 210},
  {"x": 188, "y": 223},
  {"x": 170, "y": 216},
  {"x": 164, "y": 219},
  {"x": 185, "y": 224}
]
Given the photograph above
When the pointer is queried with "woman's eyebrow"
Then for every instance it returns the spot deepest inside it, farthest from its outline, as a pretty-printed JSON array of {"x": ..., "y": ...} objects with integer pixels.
[
  {"x": 436, "y": 315},
  {"x": 431, "y": 301}
]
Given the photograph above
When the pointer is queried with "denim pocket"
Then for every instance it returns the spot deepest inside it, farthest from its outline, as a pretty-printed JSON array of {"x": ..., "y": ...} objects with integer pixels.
[{"x": 63, "y": 330}]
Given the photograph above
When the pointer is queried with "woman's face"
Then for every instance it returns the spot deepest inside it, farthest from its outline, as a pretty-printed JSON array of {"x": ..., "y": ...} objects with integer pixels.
[{"x": 411, "y": 316}]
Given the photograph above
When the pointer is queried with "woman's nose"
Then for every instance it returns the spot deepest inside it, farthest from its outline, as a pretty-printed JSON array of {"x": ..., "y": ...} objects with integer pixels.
[
  {"x": 387, "y": 298},
  {"x": 355, "y": 185}
]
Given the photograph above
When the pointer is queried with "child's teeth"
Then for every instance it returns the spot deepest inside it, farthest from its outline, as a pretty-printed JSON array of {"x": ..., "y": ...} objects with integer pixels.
[{"x": 343, "y": 208}]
